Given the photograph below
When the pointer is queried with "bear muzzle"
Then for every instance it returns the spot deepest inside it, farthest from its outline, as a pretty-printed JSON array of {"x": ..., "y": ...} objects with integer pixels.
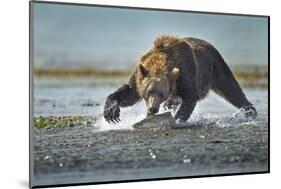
[{"x": 151, "y": 111}]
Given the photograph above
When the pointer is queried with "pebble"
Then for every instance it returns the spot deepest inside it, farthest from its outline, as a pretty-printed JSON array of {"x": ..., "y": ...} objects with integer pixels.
[{"x": 187, "y": 161}]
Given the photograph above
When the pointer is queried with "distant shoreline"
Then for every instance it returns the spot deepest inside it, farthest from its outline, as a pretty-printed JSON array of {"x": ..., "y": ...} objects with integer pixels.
[
  {"x": 256, "y": 76},
  {"x": 255, "y": 72},
  {"x": 83, "y": 72}
]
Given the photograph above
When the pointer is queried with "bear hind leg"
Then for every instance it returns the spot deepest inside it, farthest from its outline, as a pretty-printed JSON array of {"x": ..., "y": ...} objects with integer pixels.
[{"x": 226, "y": 86}]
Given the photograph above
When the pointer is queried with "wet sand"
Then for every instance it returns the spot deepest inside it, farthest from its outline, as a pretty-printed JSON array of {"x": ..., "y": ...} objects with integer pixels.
[{"x": 77, "y": 154}]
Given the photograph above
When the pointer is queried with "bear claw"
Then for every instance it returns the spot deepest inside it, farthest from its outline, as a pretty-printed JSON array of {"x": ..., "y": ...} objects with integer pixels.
[{"x": 111, "y": 112}]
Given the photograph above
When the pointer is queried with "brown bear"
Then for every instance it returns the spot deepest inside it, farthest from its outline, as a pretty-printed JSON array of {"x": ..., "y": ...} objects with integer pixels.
[{"x": 177, "y": 68}]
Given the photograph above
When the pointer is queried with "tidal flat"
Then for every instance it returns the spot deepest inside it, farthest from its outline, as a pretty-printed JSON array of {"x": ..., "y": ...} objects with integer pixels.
[{"x": 72, "y": 143}]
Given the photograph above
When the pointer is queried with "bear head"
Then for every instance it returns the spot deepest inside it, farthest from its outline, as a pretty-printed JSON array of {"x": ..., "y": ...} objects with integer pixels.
[{"x": 154, "y": 81}]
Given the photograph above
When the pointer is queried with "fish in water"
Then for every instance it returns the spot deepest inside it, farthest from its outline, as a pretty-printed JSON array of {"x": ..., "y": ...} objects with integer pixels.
[{"x": 165, "y": 120}]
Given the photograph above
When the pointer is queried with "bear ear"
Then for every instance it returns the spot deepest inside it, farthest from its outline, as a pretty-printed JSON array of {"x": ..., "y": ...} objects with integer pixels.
[
  {"x": 142, "y": 71},
  {"x": 175, "y": 73}
]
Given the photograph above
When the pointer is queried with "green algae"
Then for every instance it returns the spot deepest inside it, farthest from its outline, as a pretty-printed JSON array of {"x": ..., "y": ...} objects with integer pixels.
[{"x": 62, "y": 121}]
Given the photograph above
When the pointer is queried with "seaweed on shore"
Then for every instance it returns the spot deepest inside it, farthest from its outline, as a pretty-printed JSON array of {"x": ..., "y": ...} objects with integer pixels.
[{"x": 62, "y": 121}]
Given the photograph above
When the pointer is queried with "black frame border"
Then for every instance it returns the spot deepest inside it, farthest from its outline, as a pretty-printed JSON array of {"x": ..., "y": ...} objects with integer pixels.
[{"x": 131, "y": 8}]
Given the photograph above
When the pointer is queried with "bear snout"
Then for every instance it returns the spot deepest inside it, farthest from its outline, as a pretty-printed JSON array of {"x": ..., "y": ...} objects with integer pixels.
[{"x": 152, "y": 111}]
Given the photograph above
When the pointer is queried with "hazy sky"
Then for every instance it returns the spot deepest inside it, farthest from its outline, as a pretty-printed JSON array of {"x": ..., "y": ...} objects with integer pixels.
[{"x": 68, "y": 35}]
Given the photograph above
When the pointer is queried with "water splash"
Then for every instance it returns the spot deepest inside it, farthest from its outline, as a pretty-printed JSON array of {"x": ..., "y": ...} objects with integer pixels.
[
  {"x": 128, "y": 117},
  {"x": 220, "y": 120}
]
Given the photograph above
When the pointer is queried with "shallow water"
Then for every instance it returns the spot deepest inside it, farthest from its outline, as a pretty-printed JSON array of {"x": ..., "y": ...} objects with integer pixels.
[{"x": 214, "y": 141}]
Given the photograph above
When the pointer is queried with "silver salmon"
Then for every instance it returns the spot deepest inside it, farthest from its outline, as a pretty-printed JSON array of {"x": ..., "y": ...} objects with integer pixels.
[{"x": 165, "y": 120}]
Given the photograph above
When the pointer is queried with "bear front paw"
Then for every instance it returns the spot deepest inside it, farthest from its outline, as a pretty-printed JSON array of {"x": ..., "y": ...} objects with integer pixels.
[
  {"x": 172, "y": 104},
  {"x": 111, "y": 111},
  {"x": 168, "y": 105}
]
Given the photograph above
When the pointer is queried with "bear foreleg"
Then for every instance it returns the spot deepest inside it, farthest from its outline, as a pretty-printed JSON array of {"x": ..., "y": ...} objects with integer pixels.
[
  {"x": 185, "y": 109},
  {"x": 122, "y": 97}
]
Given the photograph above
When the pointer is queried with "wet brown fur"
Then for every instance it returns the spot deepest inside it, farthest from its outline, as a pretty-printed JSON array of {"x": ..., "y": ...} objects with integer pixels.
[
  {"x": 166, "y": 41},
  {"x": 156, "y": 62}
]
